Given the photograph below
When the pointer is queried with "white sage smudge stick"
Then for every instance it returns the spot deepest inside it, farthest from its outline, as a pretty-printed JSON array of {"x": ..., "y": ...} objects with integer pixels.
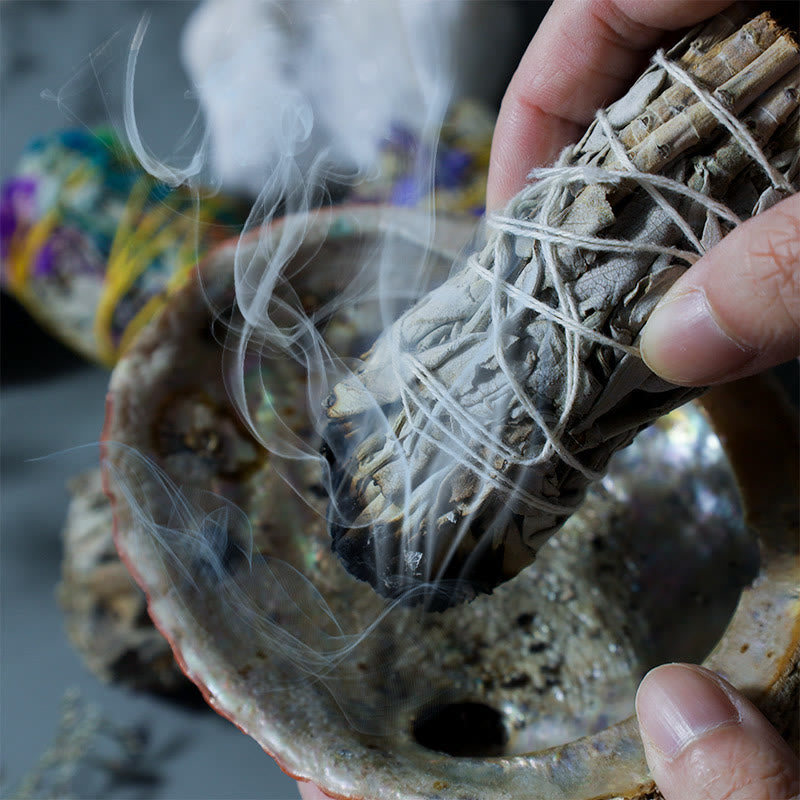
[{"x": 479, "y": 418}]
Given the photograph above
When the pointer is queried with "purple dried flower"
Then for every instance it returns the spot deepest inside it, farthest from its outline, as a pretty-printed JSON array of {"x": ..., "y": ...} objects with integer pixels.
[{"x": 17, "y": 209}]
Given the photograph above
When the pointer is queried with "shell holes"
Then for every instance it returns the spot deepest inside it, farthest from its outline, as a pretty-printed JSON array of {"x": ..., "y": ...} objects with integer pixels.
[{"x": 461, "y": 729}]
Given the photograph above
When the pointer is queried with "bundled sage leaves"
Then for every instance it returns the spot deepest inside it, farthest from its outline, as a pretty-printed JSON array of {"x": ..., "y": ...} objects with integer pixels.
[{"x": 478, "y": 419}]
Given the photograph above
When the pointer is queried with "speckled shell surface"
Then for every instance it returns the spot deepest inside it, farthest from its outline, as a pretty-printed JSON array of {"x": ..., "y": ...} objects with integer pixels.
[{"x": 524, "y": 693}]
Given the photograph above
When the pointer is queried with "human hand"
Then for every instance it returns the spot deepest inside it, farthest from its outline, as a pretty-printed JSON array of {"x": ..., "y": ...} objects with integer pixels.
[
  {"x": 705, "y": 741},
  {"x": 737, "y": 310}
]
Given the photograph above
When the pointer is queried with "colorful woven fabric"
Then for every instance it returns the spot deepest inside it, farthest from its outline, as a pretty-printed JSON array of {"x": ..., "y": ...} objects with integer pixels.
[{"x": 93, "y": 246}]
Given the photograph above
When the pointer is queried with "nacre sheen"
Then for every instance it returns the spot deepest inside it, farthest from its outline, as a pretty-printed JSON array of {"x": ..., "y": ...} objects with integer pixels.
[{"x": 524, "y": 693}]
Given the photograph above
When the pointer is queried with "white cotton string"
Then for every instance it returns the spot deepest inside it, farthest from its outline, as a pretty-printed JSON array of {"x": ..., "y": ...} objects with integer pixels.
[
  {"x": 552, "y": 437},
  {"x": 554, "y": 314},
  {"x": 737, "y": 130},
  {"x": 581, "y": 174},
  {"x": 618, "y": 149},
  {"x": 503, "y": 255},
  {"x": 546, "y": 236},
  {"x": 444, "y": 398},
  {"x": 529, "y": 229},
  {"x": 550, "y": 209},
  {"x": 535, "y": 216},
  {"x": 492, "y": 477}
]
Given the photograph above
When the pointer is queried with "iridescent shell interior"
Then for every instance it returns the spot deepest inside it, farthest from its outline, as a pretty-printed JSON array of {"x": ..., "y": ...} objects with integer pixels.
[{"x": 527, "y": 692}]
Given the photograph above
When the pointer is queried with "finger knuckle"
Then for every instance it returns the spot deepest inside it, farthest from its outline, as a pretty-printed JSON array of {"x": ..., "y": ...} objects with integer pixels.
[
  {"x": 756, "y": 771},
  {"x": 773, "y": 262},
  {"x": 771, "y": 781},
  {"x": 615, "y": 25}
]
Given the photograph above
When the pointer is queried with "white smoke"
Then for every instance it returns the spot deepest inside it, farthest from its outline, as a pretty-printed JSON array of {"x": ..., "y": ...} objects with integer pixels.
[{"x": 296, "y": 99}]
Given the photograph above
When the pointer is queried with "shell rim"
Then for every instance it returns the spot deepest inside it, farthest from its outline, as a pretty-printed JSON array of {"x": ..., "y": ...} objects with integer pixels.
[{"x": 783, "y": 666}]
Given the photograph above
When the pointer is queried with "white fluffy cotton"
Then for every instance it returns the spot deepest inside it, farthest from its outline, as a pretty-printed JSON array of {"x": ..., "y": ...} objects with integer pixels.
[{"x": 299, "y": 77}]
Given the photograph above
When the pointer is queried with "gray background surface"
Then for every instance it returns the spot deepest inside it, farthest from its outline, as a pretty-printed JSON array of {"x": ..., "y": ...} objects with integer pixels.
[{"x": 51, "y": 400}]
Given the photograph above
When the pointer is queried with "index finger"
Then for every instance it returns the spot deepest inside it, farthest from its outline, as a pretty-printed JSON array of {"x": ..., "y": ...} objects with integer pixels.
[{"x": 584, "y": 55}]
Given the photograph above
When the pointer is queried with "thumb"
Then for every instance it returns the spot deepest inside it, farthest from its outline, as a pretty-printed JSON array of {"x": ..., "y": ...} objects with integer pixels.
[
  {"x": 737, "y": 310},
  {"x": 705, "y": 741}
]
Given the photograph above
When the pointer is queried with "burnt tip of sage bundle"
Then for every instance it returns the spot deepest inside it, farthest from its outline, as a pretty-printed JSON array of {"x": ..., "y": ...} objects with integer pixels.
[
  {"x": 440, "y": 562},
  {"x": 462, "y": 540},
  {"x": 472, "y": 429}
]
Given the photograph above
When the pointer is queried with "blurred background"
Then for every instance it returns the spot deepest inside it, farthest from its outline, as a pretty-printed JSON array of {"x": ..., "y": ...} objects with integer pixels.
[
  {"x": 52, "y": 399},
  {"x": 62, "y": 65}
]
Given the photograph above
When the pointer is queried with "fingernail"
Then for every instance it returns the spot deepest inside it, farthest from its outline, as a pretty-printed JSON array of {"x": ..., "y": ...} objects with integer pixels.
[
  {"x": 676, "y": 705},
  {"x": 683, "y": 343}
]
